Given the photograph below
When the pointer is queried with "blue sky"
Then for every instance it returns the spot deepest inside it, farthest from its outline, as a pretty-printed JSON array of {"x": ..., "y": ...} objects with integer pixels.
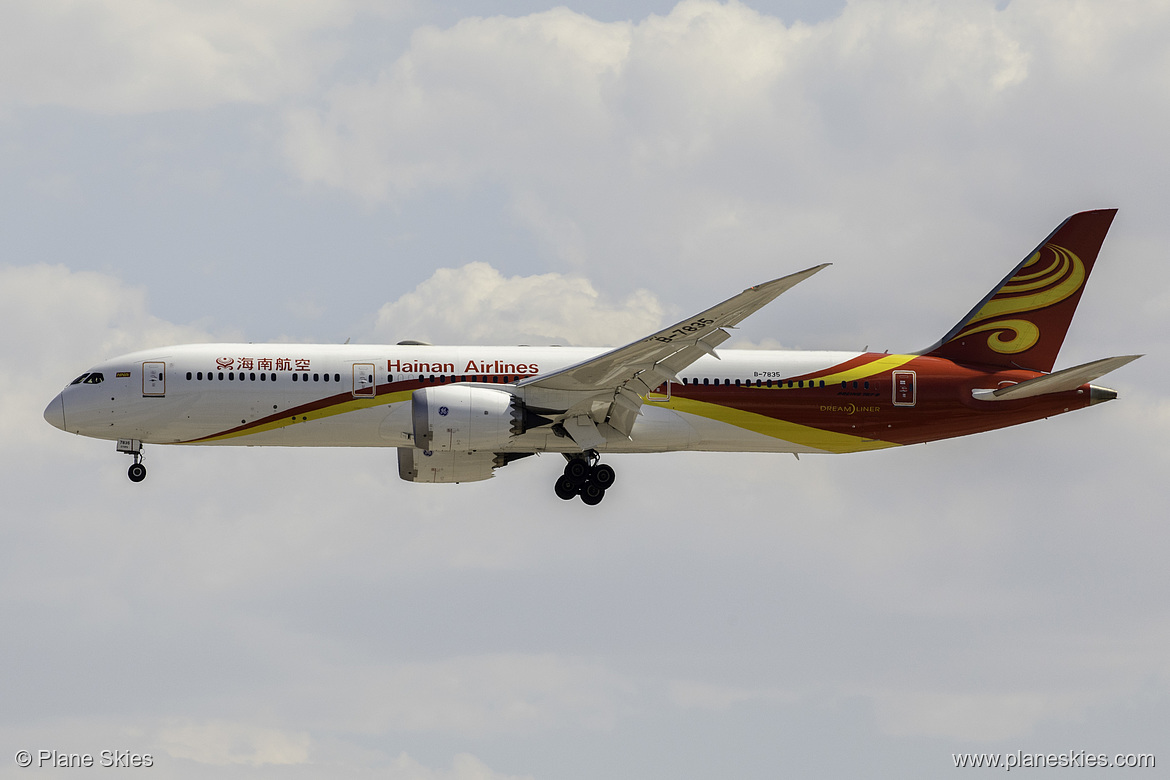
[{"x": 175, "y": 171}]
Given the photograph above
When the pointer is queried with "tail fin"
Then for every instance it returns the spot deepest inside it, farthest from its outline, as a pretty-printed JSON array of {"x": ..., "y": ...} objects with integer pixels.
[{"x": 1022, "y": 322}]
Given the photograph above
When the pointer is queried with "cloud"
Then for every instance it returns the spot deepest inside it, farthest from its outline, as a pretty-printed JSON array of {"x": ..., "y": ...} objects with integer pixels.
[
  {"x": 726, "y": 103},
  {"x": 56, "y": 322},
  {"x": 463, "y": 767},
  {"x": 246, "y": 607},
  {"x": 906, "y": 141},
  {"x": 972, "y": 716},
  {"x": 221, "y": 742},
  {"x": 471, "y": 696},
  {"x": 476, "y": 304},
  {"x": 138, "y": 56}
]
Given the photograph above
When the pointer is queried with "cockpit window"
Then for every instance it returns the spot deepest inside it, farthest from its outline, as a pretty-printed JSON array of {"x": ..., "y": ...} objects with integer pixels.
[
  {"x": 96, "y": 378},
  {"x": 79, "y": 379}
]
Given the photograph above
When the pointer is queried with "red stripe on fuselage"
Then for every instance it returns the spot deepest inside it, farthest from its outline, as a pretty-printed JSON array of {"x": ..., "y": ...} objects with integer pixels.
[{"x": 943, "y": 408}]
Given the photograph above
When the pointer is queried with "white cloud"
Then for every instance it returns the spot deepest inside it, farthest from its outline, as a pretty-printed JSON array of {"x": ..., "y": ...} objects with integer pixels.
[
  {"x": 978, "y": 717},
  {"x": 221, "y": 742},
  {"x": 691, "y": 694},
  {"x": 462, "y": 102},
  {"x": 716, "y": 139},
  {"x": 471, "y": 696},
  {"x": 476, "y": 304},
  {"x": 718, "y": 99},
  {"x": 55, "y": 323},
  {"x": 135, "y": 56},
  {"x": 248, "y": 607},
  {"x": 464, "y": 766}
]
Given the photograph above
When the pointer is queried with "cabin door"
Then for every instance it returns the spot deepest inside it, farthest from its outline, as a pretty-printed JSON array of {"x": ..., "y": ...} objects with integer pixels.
[
  {"x": 905, "y": 388},
  {"x": 154, "y": 379},
  {"x": 363, "y": 380}
]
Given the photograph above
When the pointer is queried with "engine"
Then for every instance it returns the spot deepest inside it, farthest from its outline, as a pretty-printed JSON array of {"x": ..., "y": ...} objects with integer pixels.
[{"x": 463, "y": 418}]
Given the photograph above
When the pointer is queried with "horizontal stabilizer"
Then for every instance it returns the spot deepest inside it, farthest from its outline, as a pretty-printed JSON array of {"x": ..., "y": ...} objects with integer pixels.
[{"x": 1058, "y": 382}]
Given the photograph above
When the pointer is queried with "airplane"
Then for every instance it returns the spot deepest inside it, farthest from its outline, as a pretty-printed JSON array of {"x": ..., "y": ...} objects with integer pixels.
[{"x": 459, "y": 413}]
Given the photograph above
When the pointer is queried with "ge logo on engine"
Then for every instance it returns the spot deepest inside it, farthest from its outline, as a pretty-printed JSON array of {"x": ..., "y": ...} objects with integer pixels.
[{"x": 443, "y": 411}]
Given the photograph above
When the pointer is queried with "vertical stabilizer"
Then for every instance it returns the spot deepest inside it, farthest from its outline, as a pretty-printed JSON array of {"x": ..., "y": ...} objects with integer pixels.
[{"x": 1022, "y": 322}]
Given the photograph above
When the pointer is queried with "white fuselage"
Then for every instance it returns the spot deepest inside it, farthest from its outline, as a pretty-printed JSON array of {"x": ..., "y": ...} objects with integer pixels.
[{"x": 296, "y": 395}]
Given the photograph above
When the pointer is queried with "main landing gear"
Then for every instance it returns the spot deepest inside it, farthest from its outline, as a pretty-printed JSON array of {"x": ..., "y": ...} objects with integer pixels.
[
  {"x": 136, "y": 472},
  {"x": 585, "y": 477}
]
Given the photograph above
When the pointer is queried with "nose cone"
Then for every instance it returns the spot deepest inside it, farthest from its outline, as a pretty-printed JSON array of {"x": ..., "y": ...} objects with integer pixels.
[{"x": 55, "y": 412}]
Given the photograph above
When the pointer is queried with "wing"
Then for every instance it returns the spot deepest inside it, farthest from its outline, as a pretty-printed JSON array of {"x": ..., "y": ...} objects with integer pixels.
[{"x": 607, "y": 390}]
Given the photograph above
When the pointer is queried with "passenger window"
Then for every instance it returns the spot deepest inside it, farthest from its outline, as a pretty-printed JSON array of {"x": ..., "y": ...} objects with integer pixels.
[
  {"x": 337, "y": 377},
  {"x": 316, "y": 377},
  {"x": 326, "y": 377},
  {"x": 231, "y": 376},
  {"x": 252, "y": 377},
  {"x": 188, "y": 374},
  {"x": 198, "y": 376},
  {"x": 294, "y": 377}
]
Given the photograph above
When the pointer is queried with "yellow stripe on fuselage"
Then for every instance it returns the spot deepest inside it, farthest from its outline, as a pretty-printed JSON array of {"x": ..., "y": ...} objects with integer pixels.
[
  {"x": 804, "y": 435},
  {"x": 879, "y": 366},
  {"x": 341, "y": 407}
]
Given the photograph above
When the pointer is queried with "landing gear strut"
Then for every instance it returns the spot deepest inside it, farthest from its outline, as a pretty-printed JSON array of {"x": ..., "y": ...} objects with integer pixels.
[
  {"x": 584, "y": 477},
  {"x": 136, "y": 472}
]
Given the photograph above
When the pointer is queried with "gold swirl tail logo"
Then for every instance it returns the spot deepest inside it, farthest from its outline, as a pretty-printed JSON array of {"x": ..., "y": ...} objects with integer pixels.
[{"x": 1030, "y": 290}]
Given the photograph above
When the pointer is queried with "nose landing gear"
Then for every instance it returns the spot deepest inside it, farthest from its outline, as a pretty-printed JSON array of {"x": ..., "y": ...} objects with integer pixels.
[
  {"x": 136, "y": 472},
  {"x": 584, "y": 477}
]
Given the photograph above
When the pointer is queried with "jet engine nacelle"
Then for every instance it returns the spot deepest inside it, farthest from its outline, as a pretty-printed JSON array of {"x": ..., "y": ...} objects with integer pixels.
[{"x": 462, "y": 418}]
